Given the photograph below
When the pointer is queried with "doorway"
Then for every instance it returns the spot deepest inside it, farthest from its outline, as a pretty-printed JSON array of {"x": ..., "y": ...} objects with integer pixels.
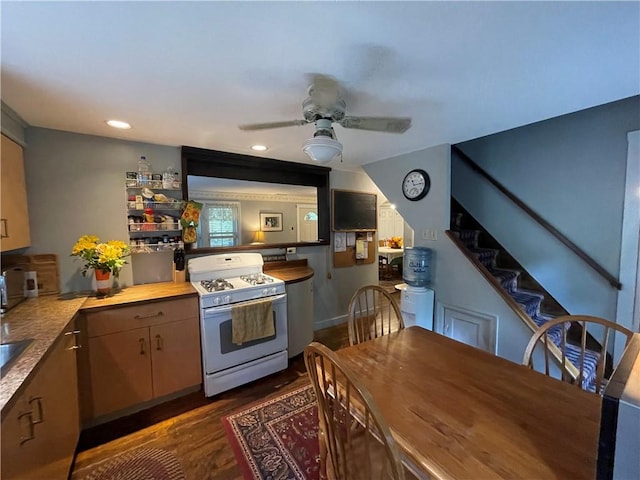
[{"x": 307, "y": 223}]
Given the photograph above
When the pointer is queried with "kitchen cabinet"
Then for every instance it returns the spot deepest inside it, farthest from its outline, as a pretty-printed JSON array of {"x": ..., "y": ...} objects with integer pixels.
[
  {"x": 163, "y": 230},
  {"x": 138, "y": 353},
  {"x": 14, "y": 213},
  {"x": 41, "y": 430},
  {"x": 299, "y": 316}
]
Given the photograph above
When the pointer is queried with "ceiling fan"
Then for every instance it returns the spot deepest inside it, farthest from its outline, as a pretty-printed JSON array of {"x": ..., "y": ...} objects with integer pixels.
[{"x": 325, "y": 106}]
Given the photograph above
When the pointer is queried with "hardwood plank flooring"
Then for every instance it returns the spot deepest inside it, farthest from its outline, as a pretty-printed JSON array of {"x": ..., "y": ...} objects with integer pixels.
[{"x": 191, "y": 426}]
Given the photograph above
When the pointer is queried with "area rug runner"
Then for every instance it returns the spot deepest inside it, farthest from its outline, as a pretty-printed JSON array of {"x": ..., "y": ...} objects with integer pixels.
[
  {"x": 140, "y": 464},
  {"x": 277, "y": 439}
]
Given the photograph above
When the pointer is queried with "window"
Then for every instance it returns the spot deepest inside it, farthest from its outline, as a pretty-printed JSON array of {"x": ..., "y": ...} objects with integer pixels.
[{"x": 219, "y": 225}]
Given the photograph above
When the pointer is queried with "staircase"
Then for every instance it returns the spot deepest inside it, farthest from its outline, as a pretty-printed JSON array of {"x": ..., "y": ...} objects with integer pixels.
[{"x": 530, "y": 296}]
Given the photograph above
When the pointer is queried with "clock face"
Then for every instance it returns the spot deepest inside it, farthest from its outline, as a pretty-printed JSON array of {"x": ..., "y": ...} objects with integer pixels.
[{"x": 416, "y": 184}]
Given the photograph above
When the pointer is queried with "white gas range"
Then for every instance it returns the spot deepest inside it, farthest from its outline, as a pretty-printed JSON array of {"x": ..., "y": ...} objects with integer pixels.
[{"x": 234, "y": 281}]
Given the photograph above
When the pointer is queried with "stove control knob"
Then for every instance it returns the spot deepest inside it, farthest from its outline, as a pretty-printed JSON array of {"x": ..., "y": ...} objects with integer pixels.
[
  {"x": 227, "y": 299},
  {"x": 265, "y": 292}
]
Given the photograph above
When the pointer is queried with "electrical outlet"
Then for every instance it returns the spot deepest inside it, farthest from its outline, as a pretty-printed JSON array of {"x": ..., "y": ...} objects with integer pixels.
[
  {"x": 434, "y": 235},
  {"x": 291, "y": 249},
  {"x": 425, "y": 234}
]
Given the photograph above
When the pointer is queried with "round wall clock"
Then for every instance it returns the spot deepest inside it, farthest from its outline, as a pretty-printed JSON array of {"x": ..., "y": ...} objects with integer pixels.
[{"x": 416, "y": 184}]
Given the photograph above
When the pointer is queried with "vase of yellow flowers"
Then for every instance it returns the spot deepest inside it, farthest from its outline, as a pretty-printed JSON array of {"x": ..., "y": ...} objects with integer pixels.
[{"x": 104, "y": 258}]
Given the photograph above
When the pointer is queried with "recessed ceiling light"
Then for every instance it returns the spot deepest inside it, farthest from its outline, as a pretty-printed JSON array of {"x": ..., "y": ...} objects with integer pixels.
[
  {"x": 258, "y": 148},
  {"x": 118, "y": 124}
]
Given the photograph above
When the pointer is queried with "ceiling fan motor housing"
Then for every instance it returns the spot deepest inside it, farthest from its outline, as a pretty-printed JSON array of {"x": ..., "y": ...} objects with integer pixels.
[
  {"x": 324, "y": 128},
  {"x": 312, "y": 111}
]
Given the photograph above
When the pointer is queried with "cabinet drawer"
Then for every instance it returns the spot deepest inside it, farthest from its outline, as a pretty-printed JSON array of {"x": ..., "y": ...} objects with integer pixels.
[{"x": 121, "y": 319}]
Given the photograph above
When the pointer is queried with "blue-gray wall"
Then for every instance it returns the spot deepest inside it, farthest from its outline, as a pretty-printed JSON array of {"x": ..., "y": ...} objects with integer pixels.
[
  {"x": 75, "y": 186},
  {"x": 571, "y": 171}
]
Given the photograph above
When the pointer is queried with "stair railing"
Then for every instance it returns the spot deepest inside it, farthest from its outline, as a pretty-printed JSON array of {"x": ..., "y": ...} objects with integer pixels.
[{"x": 613, "y": 281}]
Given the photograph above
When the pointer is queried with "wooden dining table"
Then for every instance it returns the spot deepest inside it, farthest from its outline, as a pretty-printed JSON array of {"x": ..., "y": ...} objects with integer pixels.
[{"x": 458, "y": 412}]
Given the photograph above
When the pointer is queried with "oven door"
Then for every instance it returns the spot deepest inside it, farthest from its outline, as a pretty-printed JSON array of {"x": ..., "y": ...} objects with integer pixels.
[{"x": 220, "y": 353}]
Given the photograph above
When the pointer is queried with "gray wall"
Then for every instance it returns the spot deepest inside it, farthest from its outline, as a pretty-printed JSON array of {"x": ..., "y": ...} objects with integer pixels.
[
  {"x": 570, "y": 170},
  {"x": 75, "y": 186},
  {"x": 455, "y": 281}
]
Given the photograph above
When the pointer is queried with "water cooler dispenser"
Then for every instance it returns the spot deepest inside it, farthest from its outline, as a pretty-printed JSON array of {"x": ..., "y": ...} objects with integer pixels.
[{"x": 416, "y": 300}]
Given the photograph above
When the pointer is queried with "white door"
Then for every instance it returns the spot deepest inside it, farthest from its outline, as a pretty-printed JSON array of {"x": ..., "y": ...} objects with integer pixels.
[{"x": 307, "y": 223}]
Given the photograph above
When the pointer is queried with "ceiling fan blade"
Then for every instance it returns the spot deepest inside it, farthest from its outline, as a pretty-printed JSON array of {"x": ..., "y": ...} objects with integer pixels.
[
  {"x": 378, "y": 124},
  {"x": 264, "y": 126}
]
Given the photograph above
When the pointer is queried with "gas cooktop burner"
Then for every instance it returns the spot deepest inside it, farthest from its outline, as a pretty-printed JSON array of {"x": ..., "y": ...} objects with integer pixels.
[
  {"x": 216, "y": 285},
  {"x": 256, "y": 279}
]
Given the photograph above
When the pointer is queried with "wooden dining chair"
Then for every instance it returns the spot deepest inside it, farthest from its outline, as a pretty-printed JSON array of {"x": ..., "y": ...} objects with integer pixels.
[
  {"x": 355, "y": 441},
  {"x": 372, "y": 312},
  {"x": 577, "y": 341},
  {"x": 383, "y": 267}
]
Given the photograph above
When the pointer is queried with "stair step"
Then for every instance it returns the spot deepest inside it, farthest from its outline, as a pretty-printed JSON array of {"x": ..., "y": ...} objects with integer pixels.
[
  {"x": 468, "y": 237},
  {"x": 486, "y": 256},
  {"x": 518, "y": 286},
  {"x": 507, "y": 278},
  {"x": 529, "y": 301}
]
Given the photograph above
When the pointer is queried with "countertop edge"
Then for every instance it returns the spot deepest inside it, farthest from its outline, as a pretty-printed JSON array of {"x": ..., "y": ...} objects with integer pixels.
[{"x": 290, "y": 272}]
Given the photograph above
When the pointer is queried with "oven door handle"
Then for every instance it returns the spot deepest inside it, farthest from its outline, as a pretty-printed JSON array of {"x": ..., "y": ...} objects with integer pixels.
[{"x": 227, "y": 308}]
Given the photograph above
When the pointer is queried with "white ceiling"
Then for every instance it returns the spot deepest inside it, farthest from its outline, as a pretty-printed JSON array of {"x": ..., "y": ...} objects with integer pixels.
[{"x": 187, "y": 73}]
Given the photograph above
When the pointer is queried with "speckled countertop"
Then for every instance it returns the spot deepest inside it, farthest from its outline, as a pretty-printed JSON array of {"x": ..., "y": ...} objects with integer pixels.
[{"x": 43, "y": 319}]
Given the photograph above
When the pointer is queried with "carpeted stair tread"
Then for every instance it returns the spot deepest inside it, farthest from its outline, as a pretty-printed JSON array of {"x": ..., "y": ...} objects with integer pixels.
[
  {"x": 507, "y": 278},
  {"x": 486, "y": 256},
  {"x": 591, "y": 359},
  {"x": 529, "y": 301}
]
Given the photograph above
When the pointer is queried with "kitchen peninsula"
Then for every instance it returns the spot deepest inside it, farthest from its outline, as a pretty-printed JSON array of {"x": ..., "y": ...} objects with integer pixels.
[
  {"x": 71, "y": 374},
  {"x": 39, "y": 393}
]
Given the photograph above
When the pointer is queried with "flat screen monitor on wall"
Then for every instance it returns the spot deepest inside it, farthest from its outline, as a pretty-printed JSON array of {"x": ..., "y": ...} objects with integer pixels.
[{"x": 353, "y": 211}]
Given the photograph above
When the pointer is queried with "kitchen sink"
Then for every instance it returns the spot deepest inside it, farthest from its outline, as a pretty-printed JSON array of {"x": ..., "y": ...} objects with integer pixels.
[{"x": 9, "y": 352}]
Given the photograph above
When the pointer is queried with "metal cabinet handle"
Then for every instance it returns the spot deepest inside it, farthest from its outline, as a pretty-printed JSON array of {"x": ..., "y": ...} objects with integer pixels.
[
  {"x": 40, "y": 417},
  {"x": 158, "y": 342},
  {"x": 151, "y": 315},
  {"x": 32, "y": 433},
  {"x": 141, "y": 340},
  {"x": 75, "y": 345},
  {"x": 5, "y": 228}
]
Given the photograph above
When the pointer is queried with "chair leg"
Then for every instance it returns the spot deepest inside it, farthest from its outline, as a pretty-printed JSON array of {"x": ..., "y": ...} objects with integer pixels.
[{"x": 324, "y": 471}]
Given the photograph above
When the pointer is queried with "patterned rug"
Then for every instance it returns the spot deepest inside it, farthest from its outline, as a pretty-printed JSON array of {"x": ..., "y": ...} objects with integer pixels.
[
  {"x": 277, "y": 439},
  {"x": 140, "y": 464}
]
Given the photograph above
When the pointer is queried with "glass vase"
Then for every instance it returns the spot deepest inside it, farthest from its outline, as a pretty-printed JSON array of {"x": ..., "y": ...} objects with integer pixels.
[{"x": 103, "y": 282}]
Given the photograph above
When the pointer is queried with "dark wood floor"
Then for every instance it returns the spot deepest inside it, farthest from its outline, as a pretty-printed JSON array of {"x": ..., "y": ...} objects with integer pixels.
[{"x": 191, "y": 426}]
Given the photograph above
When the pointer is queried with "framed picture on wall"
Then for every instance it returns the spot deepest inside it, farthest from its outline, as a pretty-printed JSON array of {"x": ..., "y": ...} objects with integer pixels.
[{"x": 271, "y": 222}]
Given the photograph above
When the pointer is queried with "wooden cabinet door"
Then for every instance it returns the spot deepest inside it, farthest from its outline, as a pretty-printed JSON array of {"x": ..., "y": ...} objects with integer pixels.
[
  {"x": 176, "y": 357},
  {"x": 40, "y": 433},
  {"x": 14, "y": 216},
  {"x": 120, "y": 366},
  {"x": 18, "y": 436}
]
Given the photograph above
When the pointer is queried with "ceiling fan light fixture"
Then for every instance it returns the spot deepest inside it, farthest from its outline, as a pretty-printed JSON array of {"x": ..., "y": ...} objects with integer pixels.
[{"x": 322, "y": 149}]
